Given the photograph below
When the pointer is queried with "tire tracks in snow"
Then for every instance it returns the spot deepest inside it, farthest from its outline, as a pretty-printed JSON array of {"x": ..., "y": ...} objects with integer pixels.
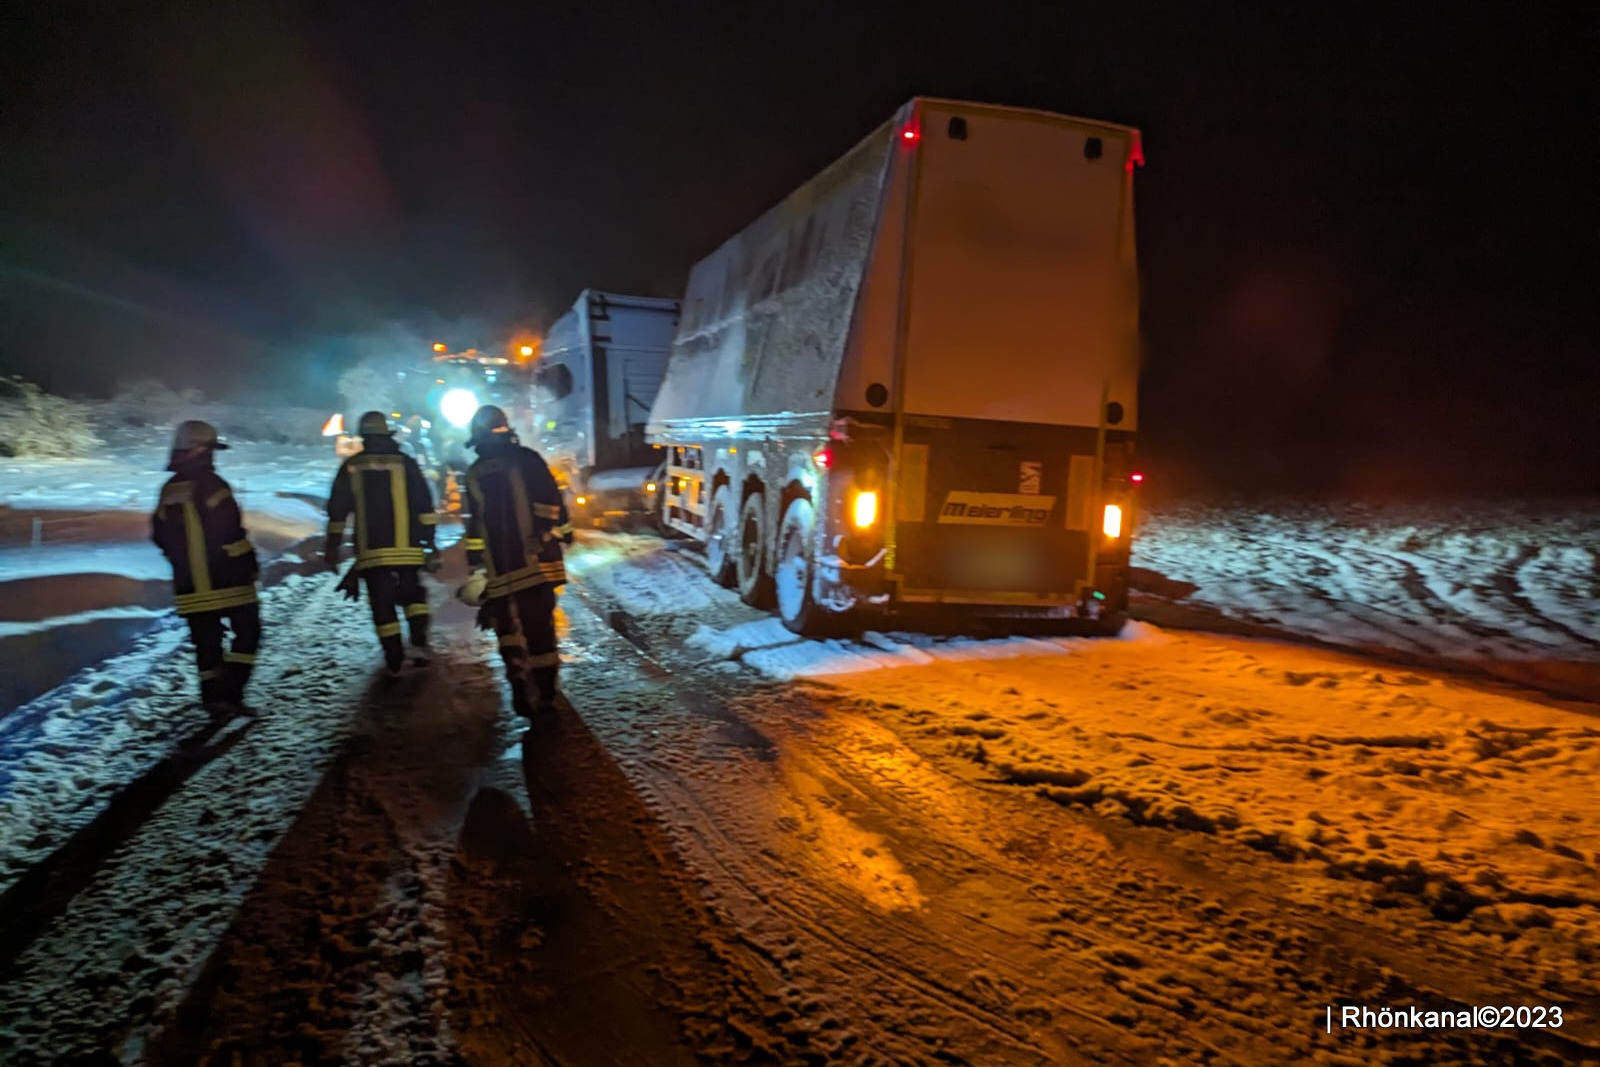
[
  {"x": 874, "y": 966},
  {"x": 118, "y": 959}
]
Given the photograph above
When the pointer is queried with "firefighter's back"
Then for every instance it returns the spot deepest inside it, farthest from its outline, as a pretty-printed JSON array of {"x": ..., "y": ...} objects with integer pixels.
[{"x": 517, "y": 511}]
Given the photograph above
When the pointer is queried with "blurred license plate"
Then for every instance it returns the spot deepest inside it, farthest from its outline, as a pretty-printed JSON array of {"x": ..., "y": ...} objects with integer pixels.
[{"x": 994, "y": 567}]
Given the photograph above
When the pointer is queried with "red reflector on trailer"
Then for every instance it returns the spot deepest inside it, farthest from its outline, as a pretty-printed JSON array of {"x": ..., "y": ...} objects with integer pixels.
[
  {"x": 1135, "y": 477},
  {"x": 909, "y": 133}
]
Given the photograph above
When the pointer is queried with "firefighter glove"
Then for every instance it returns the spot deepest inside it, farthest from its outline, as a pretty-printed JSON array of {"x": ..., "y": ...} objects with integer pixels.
[{"x": 350, "y": 585}]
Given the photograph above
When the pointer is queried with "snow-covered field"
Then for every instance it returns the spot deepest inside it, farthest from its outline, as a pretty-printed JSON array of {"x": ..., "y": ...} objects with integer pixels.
[
  {"x": 79, "y": 578},
  {"x": 1469, "y": 581}
]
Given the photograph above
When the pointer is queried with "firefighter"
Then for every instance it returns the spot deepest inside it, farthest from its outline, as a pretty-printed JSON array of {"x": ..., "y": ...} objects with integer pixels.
[
  {"x": 394, "y": 535},
  {"x": 516, "y": 525},
  {"x": 198, "y": 527}
]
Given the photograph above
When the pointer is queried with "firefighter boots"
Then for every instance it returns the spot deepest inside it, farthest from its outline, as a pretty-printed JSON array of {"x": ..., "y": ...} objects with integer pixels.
[
  {"x": 519, "y": 698},
  {"x": 235, "y": 676},
  {"x": 419, "y": 640},
  {"x": 394, "y": 654}
]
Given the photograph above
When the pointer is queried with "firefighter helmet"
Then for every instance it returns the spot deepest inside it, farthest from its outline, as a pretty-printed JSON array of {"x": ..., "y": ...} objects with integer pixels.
[
  {"x": 489, "y": 424},
  {"x": 195, "y": 434},
  {"x": 372, "y": 424}
]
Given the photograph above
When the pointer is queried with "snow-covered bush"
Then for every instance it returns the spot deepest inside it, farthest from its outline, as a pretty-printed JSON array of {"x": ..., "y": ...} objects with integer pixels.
[
  {"x": 149, "y": 402},
  {"x": 36, "y": 424},
  {"x": 368, "y": 386}
]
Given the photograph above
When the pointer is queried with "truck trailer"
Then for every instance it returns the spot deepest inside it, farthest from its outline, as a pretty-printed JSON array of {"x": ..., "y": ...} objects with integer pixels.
[
  {"x": 914, "y": 381},
  {"x": 593, "y": 386}
]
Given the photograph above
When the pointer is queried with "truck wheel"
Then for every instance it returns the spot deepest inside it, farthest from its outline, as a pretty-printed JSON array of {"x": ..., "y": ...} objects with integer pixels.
[
  {"x": 792, "y": 583},
  {"x": 719, "y": 532},
  {"x": 755, "y": 584}
]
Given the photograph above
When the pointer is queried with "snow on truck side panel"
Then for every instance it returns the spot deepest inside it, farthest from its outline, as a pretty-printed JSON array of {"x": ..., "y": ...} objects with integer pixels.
[{"x": 767, "y": 315}]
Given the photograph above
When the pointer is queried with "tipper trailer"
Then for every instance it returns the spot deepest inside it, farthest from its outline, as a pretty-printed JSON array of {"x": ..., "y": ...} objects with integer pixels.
[{"x": 914, "y": 381}]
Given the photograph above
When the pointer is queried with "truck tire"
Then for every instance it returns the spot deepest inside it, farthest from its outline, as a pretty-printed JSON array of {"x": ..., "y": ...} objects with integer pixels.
[
  {"x": 719, "y": 537},
  {"x": 792, "y": 582},
  {"x": 755, "y": 584}
]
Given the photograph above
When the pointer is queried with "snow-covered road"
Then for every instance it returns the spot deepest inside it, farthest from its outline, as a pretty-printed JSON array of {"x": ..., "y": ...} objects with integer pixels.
[{"x": 739, "y": 847}]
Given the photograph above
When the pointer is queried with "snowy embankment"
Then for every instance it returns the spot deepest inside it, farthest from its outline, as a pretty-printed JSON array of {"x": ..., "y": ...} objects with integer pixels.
[
  {"x": 1514, "y": 587},
  {"x": 80, "y": 580}
]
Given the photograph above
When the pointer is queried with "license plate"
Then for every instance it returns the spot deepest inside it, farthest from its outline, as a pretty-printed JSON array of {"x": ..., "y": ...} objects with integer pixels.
[{"x": 995, "y": 567}]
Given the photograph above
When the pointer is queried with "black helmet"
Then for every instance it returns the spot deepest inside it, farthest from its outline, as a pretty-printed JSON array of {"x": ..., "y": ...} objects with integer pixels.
[
  {"x": 192, "y": 439},
  {"x": 489, "y": 424},
  {"x": 373, "y": 424},
  {"x": 195, "y": 434}
]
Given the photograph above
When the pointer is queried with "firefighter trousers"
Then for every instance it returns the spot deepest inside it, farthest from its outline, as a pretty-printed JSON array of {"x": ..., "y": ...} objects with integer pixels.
[
  {"x": 525, "y": 622},
  {"x": 223, "y": 674},
  {"x": 391, "y": 588}
]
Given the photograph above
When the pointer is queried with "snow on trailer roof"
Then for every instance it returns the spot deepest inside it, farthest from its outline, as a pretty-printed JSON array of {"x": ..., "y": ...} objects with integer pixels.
[
  {"x": 970, "y": 105},
  {"x": 768, "y": 316}
]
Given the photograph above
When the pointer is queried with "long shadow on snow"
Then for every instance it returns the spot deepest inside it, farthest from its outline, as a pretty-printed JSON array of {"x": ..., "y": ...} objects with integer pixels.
[
  {"x": 43, "y": 894},
  {"x": 286, "y": 981},
  {"x": 582, "y": 938}
]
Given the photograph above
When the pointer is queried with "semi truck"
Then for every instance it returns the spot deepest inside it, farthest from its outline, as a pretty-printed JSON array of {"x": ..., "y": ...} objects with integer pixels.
[
  {"x": 913, "y": 383},
  {"x": 593, "y": 386}
]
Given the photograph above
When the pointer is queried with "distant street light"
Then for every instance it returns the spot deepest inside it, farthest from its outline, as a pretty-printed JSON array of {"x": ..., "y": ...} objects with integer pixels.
[
  {"x": 440, "y": 346},
  {"x": 526, "y": 350}
]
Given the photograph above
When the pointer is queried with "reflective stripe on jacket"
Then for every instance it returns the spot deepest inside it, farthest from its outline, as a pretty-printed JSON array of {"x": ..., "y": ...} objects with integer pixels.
[
  {"x": 516, "y": 520},
  {"x": 393, "y": 508},
  {"x": 198, "y": 527}
]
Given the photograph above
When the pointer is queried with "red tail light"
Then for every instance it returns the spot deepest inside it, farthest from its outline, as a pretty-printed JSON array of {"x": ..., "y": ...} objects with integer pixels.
[
  {"x": 823, "y": 457},
  {"x": 909, "y": 133},
  {"x": 1135, "y": 477}
]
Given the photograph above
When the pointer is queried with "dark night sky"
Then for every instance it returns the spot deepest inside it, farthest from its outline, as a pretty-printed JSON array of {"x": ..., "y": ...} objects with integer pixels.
[{"x": 1368, "y": 233}]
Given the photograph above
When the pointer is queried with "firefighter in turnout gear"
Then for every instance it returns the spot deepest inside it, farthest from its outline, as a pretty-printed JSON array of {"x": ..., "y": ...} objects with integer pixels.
[
  {"x": 516, "y": 525},
  {"x": 197, "y": 525},
  {"x": 394, "y": 535}
]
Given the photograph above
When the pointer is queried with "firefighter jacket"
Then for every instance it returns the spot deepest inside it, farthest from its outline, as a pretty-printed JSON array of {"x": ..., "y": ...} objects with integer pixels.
[
  {"x": 198, "y": 528},
  {"x": 516, "y": 520},
  {"x": 393, "y": 507}
]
